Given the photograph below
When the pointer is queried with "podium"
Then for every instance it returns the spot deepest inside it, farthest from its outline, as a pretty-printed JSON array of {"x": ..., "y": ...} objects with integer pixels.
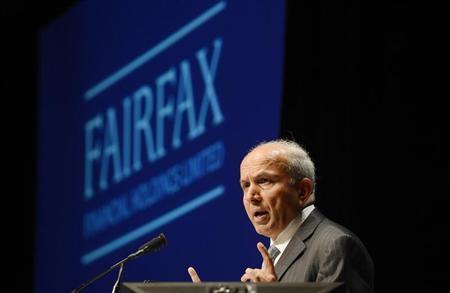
[{"x": 230, "y": 287}]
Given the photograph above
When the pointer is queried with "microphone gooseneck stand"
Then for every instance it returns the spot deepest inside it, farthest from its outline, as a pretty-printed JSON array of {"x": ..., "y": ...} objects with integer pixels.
[
  {"x": 153, "y": 245},
  {"x": 120, "y": 263}
]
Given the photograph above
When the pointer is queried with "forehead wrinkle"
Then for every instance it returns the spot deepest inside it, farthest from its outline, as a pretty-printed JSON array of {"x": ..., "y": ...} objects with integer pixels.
[
  {"x": 261, "y": 167},
  {"x": 249, "y": 169}
]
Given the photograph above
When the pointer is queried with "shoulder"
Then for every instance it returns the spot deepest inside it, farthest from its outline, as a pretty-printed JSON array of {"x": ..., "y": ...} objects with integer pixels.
[
  {"x": 339, "y": 254},
  {"x": 336, "y": 242},
  {"x": 328, "y": 237},
  {"x": 334, "y": 230},
  {"x": 332, "y": 236}
]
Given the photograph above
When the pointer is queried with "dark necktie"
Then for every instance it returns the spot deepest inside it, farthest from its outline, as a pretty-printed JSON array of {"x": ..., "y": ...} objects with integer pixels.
[{"x": 273, "y": 252}]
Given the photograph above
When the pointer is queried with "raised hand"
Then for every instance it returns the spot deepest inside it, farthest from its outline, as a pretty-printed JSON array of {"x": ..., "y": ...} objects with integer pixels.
[{"x": 266, "y": 274}]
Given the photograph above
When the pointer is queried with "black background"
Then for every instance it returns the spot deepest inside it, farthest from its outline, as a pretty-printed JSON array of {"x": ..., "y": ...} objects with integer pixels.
[{"x": 363, "y": 92}]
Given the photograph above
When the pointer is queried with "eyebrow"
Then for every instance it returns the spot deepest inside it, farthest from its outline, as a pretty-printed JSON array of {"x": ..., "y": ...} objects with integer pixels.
[{"x": 262, "y": 174}]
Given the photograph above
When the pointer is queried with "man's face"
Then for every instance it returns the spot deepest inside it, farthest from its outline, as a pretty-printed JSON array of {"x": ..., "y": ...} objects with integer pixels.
[{"x": 270, "y": 199}]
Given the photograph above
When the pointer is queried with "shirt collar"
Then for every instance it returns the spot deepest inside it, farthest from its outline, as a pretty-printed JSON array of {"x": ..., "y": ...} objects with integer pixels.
[{"x": 286, "y": 235}]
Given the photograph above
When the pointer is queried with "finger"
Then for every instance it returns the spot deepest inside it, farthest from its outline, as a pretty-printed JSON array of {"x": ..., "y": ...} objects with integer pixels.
[
  {"x": 194, "y": 276},
  {"x": 257, "y": 275},
  {"x": 245, "y": 278},
  {"x": 248, "y": 275},
  {"x": 267, "y": 262}
]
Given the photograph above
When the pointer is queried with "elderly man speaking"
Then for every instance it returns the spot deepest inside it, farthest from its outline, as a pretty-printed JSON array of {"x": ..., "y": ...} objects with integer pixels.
[{"x": 278, "y": 184}]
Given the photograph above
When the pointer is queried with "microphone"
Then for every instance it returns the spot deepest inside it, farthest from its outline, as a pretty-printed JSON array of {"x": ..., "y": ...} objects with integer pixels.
[{"x": 153, "y": 245}]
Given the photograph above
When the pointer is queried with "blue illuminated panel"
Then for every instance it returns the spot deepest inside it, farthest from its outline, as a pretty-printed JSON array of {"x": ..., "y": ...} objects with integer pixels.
[{"x": 146, "y": 109}]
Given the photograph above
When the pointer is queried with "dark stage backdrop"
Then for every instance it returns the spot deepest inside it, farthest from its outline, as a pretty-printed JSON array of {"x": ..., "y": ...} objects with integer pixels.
[{"x": 361, "y": 91}]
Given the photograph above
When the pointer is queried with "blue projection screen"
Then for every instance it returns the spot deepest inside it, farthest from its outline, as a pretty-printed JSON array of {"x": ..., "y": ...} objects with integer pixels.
[{"x": 145, "y": 110}]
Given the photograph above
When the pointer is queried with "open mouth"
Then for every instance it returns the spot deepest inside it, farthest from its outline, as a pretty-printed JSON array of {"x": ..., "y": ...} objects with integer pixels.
[{"x": 261, "y": 215}]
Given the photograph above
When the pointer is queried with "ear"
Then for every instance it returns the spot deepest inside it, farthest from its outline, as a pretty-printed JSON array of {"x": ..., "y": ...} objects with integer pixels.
[{"x": 305, "y": 189}]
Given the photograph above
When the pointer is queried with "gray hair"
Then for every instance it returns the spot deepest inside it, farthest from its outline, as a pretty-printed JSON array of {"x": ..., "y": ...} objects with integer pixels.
[{"x": 295, "y": 160}]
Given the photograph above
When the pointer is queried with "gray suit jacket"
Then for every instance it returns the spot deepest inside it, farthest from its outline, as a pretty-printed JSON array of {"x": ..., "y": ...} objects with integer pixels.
[{"x": 324, "y": 251}]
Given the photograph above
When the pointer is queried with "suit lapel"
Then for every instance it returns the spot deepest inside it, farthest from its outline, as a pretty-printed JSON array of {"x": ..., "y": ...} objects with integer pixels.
[{"x": 297, "y": 245}]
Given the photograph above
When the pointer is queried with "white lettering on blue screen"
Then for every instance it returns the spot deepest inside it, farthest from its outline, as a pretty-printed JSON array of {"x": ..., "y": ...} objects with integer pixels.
[
  {"x": 148, "y": 117},
  {"x": 154, "y": 189}
]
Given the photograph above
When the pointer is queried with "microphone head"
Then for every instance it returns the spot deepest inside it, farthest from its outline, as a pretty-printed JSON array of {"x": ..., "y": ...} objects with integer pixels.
[{"x": 154, "y": 244}]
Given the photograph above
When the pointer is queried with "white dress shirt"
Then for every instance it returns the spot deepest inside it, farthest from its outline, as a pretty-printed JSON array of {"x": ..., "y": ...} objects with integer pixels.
[{"x": 286, "y": 235}]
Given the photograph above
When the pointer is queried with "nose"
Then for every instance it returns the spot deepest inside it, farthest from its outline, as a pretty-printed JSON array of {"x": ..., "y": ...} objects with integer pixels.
[{"x": 253, "y": 193}]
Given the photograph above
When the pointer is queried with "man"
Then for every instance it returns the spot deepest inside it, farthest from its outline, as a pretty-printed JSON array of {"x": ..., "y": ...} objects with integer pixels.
[{"x": 278, "y": 183}]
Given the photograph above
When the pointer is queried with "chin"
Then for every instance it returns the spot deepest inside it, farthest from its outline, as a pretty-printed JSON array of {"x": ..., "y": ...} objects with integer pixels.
[{"x": 263, "y": 231}]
